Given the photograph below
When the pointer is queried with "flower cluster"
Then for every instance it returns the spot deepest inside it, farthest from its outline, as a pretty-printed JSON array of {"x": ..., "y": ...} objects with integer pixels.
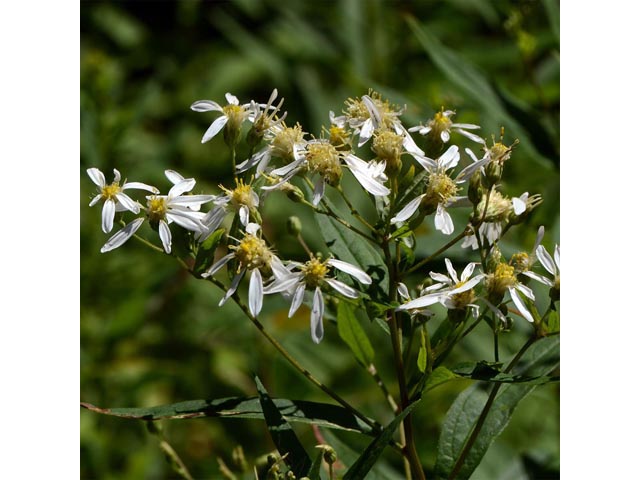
[{"x": 368, "y": 141}]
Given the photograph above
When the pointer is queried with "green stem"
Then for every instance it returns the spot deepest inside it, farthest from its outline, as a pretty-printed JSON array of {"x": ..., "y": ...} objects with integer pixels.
[
  {"x": 333, "y": 215},
  {"x": 451, "y": 243},
  {"x": 170, "y": 454},
  {"x": 353, "y": 210},
  {"x": 485, "y": 411}
]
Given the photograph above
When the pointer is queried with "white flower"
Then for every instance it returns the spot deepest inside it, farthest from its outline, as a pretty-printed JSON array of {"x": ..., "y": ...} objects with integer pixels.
[
  {"x": 441, "y": 189},
  {"x": 324, "y": 160},
  {"x": 254, "y": 256},
  {"x": 441, "y": 126},
  {"x": 115, "y": 200},
  {"x": 551, "y": 265},
  {"x": 504, "y": 280},
  {"x": 313, "y": 275},
  {"x": 450, "y": 291},
  {"x": 282, "y": 141},
  {"x": 162, "y": 210},
  {"x": 233, "y": 114}
]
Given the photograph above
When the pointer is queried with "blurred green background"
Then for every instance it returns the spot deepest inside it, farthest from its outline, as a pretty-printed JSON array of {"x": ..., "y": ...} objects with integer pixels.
[{"x": 151, "y": 334}]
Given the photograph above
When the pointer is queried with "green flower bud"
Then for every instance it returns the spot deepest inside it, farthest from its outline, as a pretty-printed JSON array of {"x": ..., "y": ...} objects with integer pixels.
[
  {"x": 294, "y": 226},
  {"x": 476, "y": 190},
  {"x": 494, "y": 172}
]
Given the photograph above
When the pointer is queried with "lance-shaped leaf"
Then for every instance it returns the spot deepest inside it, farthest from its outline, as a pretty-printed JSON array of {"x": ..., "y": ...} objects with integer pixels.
[
  {"x": 321, "y": 414},
  {"x": 206, "y": 252},
  {"x": 361, "y": 467},
  {"x": 283, "y": 435},
  {"x": 542, "y": 358},
  {"x": 353, "y": 335}
]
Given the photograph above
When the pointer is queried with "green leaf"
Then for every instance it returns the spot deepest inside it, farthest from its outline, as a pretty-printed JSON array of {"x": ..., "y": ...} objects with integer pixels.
[
  {"x": 490, "y": 372},
  {"x": 542, "y": 358},
  {"x": 361, "y": 467},
  {"x": 553, "y": 322},
  {"x": 439, "y": 376},
  {"x": 283, "y": 435},
  {"x": 207, "y": 251},
  {"x": 321, "y": 414},
  {"x": 350, "y": 247},
  {"x": 353, "y": 335},
  {"x": 422, "y": 354},
  {"x": 314, "y": 471}
]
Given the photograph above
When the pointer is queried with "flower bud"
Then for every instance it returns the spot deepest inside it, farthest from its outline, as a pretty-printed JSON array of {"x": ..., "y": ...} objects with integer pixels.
[
  {"x": 294, "y": 226},
  {"x": 476, "y": 190},
  {"x": 494, "y": 259},
  {"x": 493, "y": 172},
  {"x": 328, "y": 453}
]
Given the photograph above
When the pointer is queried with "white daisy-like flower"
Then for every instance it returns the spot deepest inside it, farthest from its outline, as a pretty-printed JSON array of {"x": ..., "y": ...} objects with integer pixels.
[
  {"x": 233, "y": 114},
  {"x": 313, "y": 275},
  {"x": 450, "y": 291},
  {"x": 115, "y": 200},
  {"x": 162, "y": 210},
  {"x": 441, "y": 189},
  {"x": 254, "y": 256},
  {"x": 441, "y": 126},
  {"x": 504, "y": 280},
  {"x": 550, "y": 264},
  {"x": 282, "y": 141},
  {"x": 325, "y": 161}
]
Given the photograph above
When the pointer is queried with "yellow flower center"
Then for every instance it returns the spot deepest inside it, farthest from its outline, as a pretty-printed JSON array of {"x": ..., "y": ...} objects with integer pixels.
[
  {"x": 440, "y": 123},
  {"x": 440, "y": 188},
  {"x": 462, "y": 299},
  {"x": 314, "y": 272},
  {"x": 252, "y": 252},
  {"x": 156, "y": 208},
  {"x": 236, "y": 115},
  {"x": 520, "y": 262},
  {"x": 357, "y": 109},
  {"x": 241, "y": 195},
  {"x": 498, "y": 209},
  {"x": 499, "y": 152},
  {"x": 324, "y": 159},
  {"x": 502, "y": 278},
  {"x": 387, "y": 145},
  {"x": 109, "y": 191},
  {"x": 284, "y": 140},
  {"x": 338, "y": 137}
]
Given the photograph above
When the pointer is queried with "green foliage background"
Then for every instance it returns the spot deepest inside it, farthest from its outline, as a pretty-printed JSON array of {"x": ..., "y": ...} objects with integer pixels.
[{"x": 151, "y": 334}]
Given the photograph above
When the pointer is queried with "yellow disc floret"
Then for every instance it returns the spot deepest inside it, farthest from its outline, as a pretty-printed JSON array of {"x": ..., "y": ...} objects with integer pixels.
[
  {"x": 283, "y": 141},
  {"x": 520, "y": 262},
  {"x": 324, "y": 159},
  {"x": 109, "y": 191},
  {"x": 440, "y": 123},
  {"x": 500, "y": 280},
  {"x": 252, "y": 252},
  {"x": 156, "y": 208},
  {"x": 314, "y": 272},
  {"x": 440, "y": 189},
  {"x": 241, "y": 195},
  {"x": 498, "y": 209},
  {"x": 236, "y": 114},
  {"x": 462, "y": 299}
]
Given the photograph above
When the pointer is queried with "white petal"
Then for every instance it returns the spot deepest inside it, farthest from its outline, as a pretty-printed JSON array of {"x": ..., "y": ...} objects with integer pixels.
[
  {"x": 231, "y": 99},
  {"x": 408, "y": 210},
  {"x": 450, "y": 158},
  {"x": 374, "y": 114},
  {"x": 403, "y": 291},
  {"x": 165, "y": 235},
  {"x": 546, "y": 260},
  {"x": 443, "y": 221},
  {"x": 444, "y": 135},
  {"x": 108, "y": 213},
  {"x": 495, "y": 310},
  {"x": 128, "y": 203},
  {"x": 451, "y": 270},
  {"x": 318, "y": 191},
  {"x": 252, "y": 228},
  {"x": 468, "y": 126},
  {"x": 519, "y": 206},
  {"x": 408, "y": 142},
  {"x": 421, "y": 302},
  {"x": 517, "y": 301},
  {"x": 468, "y": 285},
  {"x": 365, "y": 132},
  {"x": 526, "y": 291},
  {"x": 556, "y": 256},
  {"x": 191, "y": 201},
  {"x": 362, "y": 172},
  {"x": 184, "y": 186},
  {"x": 538, "y": 238},
  {"x": 342, "y": 288},
  {"x": 214, "y": 128},
  {"x": 188, "y": 220},
  {"x": 213, "y": 269},
  {"x": 173, "y": 176},
  {"x": 539, "y": 278},
  {"x": 211, "y": 221},
  {"x": 96, "y": 176},
  {"x": 468, "y": 270},
  {"x": 122, "y": 236},
  {"x": 439, "y": 277},
  {"x": 205, "y": 106},
  {"x": 466, "y": 173},
  {"x": 232, "y": 289},
  {"x": 244, "y": 215},
  {"x": 284, "y": 283},
  {"x": 95, "y": 200},
  {"x": 471, "y": 154},
  {"x": 298, "y": 296},
  {"x": 317, "y": 312},
  {"x": 255, "y": 292},
  {"x": 352, "y": 270},
  {"x": 140, "y": 186},
  {"x": 470, "y": 136}
]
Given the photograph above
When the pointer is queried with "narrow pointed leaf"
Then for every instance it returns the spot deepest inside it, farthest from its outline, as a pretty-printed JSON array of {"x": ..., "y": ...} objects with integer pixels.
[
  {"x": 321, "y": 414},
  {"x": 207, "y": 251},
  {"x": 361, "y": 467},
  {"x": 353, "y": 335},
  {"x": 283, "y": 435}
]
